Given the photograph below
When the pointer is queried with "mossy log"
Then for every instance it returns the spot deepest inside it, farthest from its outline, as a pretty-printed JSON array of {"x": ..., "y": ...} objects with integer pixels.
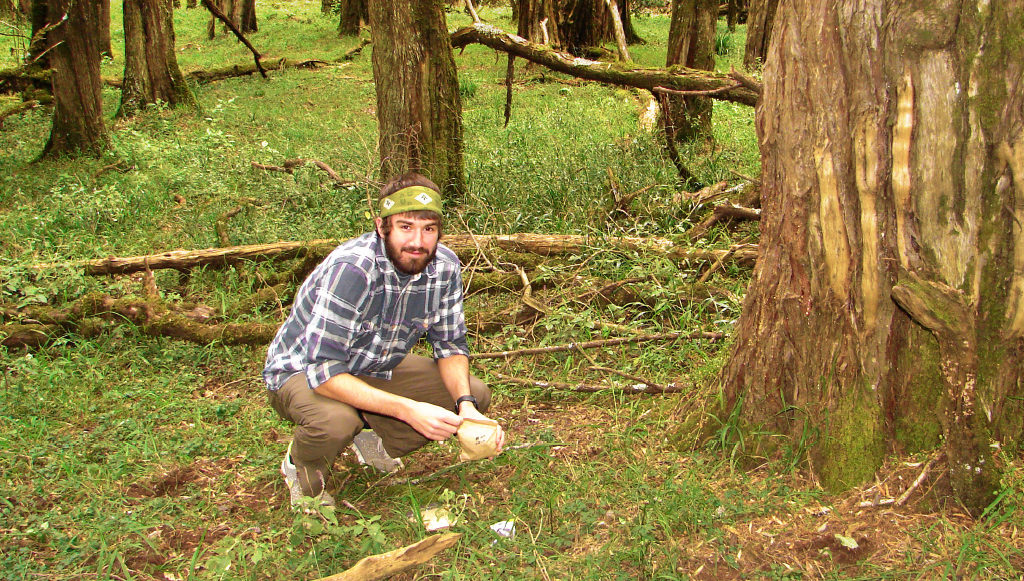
[
  {"x": 94, "y": 313},
  {"x": 727, "y": 87}
]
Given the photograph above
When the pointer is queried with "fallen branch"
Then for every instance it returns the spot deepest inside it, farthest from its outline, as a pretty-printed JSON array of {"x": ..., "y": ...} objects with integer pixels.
[
  {"x": 598, "y": 343},
  {"x": 541, "y": 244},
  {"x": 906, "y": 493},
  {"x": 354, "y": 51},
  {"x": 582, "y": 387},
  {"x": 394, "y": 562},
  {"x": 238, "y": 33},
  {"x": 26, "y": 106},
  {"x": 725, "y": 86},
  {"x": 290, "y": 165},
  {"x": 651, "y": 386}
]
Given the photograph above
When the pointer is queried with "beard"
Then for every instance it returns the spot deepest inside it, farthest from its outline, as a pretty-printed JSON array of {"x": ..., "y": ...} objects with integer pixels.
[{"x": 406, "y": 264}]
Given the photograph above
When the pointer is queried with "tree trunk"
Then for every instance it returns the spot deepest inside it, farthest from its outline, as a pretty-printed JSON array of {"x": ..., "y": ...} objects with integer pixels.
[
  {"x": 241, "y": 13},
  {"x": 106, "y": 50},
  {"x": 541, "y": 21},
  {"x": 151, "y": 70},
  {"x": 691, "y": 43},
  {"x": 326, "y": 6},
  {"x": 246, "y": 10},
  {"x": 886, "y": 310},
  {"x": 760, "y": 17},
  {"x": 38, "y": 54},
  {"x": 419, "y": 111},
  {"x": 735, "y": 9},
  {"x": 78, "y": 108},
  {"x": 352, "y": 15},
  {"x": 585, "y": 24}
]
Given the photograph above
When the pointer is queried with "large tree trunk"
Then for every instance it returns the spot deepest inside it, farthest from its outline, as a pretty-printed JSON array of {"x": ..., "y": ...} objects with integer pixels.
[
  {"x": 691, "y": 43},
  {"x": 538, "y": 21},
  {"x": 760, "y": 17},
  {"x": 351, "y": 15},
  {"x": 151, "y": 70},
  {"x": 584, "y": 24},
  {"x": 886, "y": 310},
  {"x": 78, "y": 108},
  {"x": 419, "y": 112}
]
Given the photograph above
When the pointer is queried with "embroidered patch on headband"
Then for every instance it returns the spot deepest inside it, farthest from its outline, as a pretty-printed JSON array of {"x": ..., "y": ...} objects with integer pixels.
[{"x": 410, "y": 199}]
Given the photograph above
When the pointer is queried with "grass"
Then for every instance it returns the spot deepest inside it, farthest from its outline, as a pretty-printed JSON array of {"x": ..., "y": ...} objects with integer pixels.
[{"x": 128, "y": 456}]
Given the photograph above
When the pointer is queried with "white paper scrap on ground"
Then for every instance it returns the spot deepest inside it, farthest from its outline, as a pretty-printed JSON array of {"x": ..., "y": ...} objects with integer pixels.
[{"x": 505, "y": 528}]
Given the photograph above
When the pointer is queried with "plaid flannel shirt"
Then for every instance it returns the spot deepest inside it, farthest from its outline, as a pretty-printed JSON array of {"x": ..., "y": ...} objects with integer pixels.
[{"x": 356, "y": 314}]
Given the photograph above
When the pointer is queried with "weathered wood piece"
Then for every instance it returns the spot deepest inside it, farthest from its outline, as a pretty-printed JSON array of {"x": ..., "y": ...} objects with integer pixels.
[{"x": 393, "y": 562}]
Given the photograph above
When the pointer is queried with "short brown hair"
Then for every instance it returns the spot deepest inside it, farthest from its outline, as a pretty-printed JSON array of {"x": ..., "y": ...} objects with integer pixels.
[{"x": 406, "y": 180}]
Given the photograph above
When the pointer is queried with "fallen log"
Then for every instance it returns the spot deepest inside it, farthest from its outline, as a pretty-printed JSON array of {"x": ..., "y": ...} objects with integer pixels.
[
  {"x": 721, "y": 86},
  {"x": 93, "y": 314},
  {"x": 542, "y": 244},
  {"x": 394, "y": 562}
]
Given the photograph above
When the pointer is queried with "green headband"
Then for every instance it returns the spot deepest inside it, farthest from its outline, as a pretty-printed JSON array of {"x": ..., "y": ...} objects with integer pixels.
[{"x": 411, "y": 199}]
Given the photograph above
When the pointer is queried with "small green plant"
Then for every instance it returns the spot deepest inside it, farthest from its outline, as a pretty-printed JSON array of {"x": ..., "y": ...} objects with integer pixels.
[{"x": 467, "y": 87}]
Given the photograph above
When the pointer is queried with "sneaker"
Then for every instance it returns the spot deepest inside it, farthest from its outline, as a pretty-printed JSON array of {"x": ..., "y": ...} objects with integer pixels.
[
  {"x": 370, "y": 451},
  {"x": 291, "y": 480}
]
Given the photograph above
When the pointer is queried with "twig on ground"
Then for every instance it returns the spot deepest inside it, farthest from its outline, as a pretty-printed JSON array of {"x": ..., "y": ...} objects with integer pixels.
[
  {"x": 718, "y": 263},
  {"x": 651, "y": 386},
  {"x": 583, "y": 387},
  {"x": 599, "y": 343},
  {"x": 899, "y": 501},
  {"x": 290, "y": 165}
]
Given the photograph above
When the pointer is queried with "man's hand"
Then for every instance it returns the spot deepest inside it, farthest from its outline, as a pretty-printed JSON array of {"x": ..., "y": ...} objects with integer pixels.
[
  {"x": 432, "y": 421},
  {"x": 468, "y": 410}
]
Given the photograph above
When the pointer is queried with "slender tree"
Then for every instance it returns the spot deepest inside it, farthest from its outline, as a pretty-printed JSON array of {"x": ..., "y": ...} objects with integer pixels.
[
  {"x": 691, "y": 43},
  {"x": 419, "y": 111},
  {"x": 75, "y": 57},
  {"x": 886, "y": 310},
  {"x": 151, "y": 72},
  {"x": 760, "y": 17},
  {"x": 38, "y": 48},
  {"x": 106, "y": 49}
]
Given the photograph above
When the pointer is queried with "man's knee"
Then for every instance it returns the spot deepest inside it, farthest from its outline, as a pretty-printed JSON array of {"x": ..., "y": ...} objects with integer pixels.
[
  {"x": 326, "y": 433},
  {"x": 481, "y": 392}
]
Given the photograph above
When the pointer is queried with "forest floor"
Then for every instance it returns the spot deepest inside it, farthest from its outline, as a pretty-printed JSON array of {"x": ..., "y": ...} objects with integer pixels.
[{"x": 129, "y": 454}]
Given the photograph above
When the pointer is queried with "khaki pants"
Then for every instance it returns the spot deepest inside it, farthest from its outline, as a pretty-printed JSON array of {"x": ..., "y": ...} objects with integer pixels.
[{"x": 324, "y": 426}]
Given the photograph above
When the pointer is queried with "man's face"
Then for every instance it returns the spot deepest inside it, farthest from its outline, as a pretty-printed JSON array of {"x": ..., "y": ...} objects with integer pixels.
[{"x": 412, "y": 242}]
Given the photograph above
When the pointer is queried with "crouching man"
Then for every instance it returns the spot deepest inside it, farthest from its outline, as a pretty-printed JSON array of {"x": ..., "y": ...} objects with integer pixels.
[{"x": 340, "y": 368}]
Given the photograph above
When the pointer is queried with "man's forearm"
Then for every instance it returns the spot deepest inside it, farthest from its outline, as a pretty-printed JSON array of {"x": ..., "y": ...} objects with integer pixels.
[
  {"x": 455, "y": 374},
  {"x": 349, "y": 389}
]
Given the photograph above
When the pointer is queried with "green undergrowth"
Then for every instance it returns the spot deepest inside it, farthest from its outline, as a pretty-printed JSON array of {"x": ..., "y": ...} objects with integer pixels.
[{"x": 128, "y": 456}]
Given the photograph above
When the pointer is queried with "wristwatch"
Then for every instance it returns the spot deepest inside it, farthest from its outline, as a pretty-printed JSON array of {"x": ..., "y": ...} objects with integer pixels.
[{"x": 463, "y": 398}]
